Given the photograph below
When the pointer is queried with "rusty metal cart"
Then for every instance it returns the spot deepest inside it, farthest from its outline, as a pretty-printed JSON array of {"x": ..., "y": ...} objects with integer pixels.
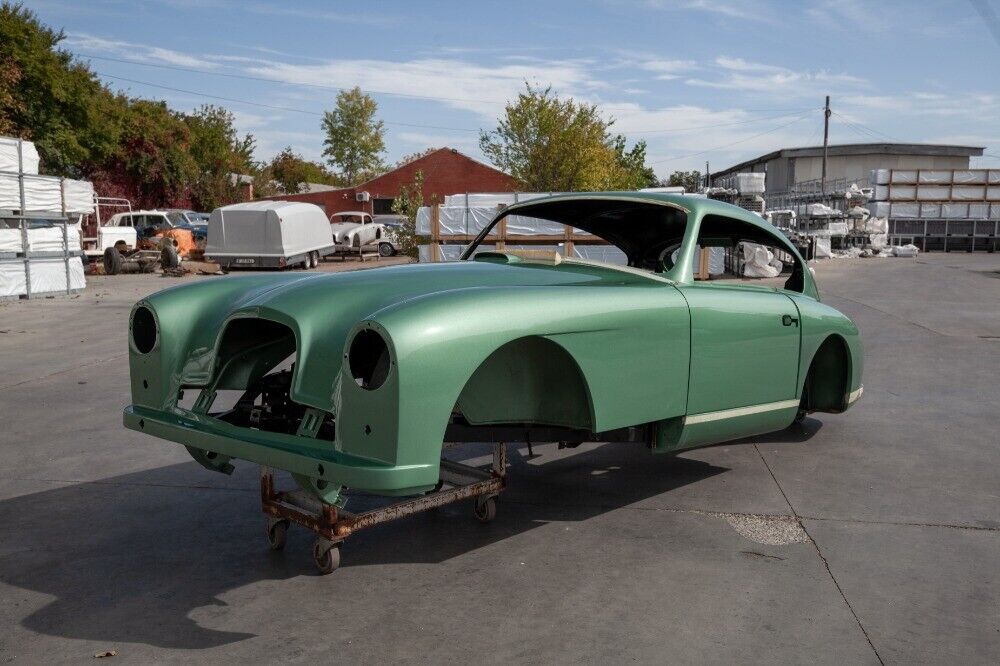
[{"x": 332, "y": 524}]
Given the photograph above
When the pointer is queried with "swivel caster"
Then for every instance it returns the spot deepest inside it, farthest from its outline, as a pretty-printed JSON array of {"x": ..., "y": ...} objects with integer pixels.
[
  {"x": 326, "y": 555},
  {"x": 277, "y": 533},
  {"x": 485, "y": 509}
]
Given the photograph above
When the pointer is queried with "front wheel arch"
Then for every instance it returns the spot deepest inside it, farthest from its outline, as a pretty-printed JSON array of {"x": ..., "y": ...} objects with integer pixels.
[
  {"x": 531, "y": 380},
  {"x": 828, "y": 379}
]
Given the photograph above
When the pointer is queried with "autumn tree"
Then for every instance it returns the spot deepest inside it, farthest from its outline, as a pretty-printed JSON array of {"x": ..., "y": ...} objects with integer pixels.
[
  {"x": 355, "y": 140},
  {"x": 551, "y": 144},
  {"x": 288, "y": 171}
]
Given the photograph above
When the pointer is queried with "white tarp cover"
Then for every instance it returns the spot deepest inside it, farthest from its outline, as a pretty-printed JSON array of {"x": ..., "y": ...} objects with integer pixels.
[
  {"x": 492, "y": 199},
  {"x": 608, "y": 254},
  {"x": 460, "y": 221},
  {"x": 823, "y": 249},
  {"x": 8, "y": 156},
  {"x": 267, "y": 229},
  {"x": 905, "y": 250},
  {"x": 759, "y": 262},
  {"x": 43, "y": 194},
  {"x": 47, "y": 275},
  {"x": 79, "y": 196}
]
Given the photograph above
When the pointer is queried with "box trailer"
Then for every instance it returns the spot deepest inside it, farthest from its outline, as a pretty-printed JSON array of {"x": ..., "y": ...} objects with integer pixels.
[{"x": 268, "y": 234}]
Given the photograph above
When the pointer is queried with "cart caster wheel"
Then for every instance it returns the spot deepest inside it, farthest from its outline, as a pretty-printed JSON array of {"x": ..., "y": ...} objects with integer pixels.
[
  {"x": 326, "y": 555},
  {"x": 485, "y": 509},
  {"x": 277, "y": 533}
]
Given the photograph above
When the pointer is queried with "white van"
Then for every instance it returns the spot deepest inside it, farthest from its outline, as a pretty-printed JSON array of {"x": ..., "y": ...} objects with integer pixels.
[{"x": 268, "y": 234}]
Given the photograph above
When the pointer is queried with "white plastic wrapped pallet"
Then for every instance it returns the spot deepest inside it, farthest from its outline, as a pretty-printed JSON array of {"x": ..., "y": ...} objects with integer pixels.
[
  {"x": 44, "y": 239},
  {"x": 47, "y": 276},
  {"x": 44, "y": 194},
  {"x": 8, "y": 156}
]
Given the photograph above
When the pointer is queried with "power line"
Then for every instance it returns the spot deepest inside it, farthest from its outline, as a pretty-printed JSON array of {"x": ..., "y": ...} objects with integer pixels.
[
  {"x": 869, "y": 130},
  {"x": 727, "y": 145},
  {"x": 246, "y": 77},
  {"x": 265, "y": 79},
  {"x": 270, "y": 106}
]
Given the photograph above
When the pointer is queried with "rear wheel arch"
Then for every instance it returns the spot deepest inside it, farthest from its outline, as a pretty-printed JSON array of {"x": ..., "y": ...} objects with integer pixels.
[
  {"x": 529, "y": 379},
  {"x": 827, "y": 381}
]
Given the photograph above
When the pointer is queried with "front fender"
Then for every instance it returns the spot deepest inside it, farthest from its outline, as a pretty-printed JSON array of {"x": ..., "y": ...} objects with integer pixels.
[
  {"x": 188, "y": 319},
  {"x": 630, "y": 342}
]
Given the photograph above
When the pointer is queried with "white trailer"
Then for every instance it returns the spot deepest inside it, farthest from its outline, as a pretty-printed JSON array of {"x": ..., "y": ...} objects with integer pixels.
[{"x": 268, "y": 234}]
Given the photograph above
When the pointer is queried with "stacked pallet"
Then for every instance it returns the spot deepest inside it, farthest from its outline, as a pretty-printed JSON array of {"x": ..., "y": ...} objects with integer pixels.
[
  {"x": 935, "y": 209},
  {"x": 39, "y": 246}
]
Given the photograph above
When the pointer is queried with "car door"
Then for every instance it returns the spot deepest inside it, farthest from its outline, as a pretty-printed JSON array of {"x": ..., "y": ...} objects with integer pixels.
[
  {"x": 744, "y": 349},
  {"x": 367, "y": 230}
]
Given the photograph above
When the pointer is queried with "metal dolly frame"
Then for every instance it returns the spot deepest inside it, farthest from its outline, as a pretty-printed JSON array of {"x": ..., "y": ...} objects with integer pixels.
[{"x": 332, "y": 524}]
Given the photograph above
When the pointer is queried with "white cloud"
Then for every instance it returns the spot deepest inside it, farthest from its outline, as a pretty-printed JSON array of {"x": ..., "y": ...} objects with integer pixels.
[
  {"x": 667, "y": 70},
  {"x": 740, "y": 9},
  {"x": 739, "y": 74},
  {"x": 137, "y": 52},
  {"x": 480, "y": 89}
]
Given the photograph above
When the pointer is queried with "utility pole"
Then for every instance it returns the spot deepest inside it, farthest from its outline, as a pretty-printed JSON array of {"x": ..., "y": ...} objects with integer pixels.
[
  {"x": 826, "y": 137},
  {"x": 708, "y": 181}
]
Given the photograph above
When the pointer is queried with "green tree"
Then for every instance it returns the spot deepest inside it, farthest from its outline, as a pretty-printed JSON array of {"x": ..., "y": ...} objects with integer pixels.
[
  {"x": 53, "y": 100},
  {"x": 155, "y": 158},
  {"x": 218, "y": 151},
  {"x": 409, "y": 201},
  {"x": 689, "y": 180},
  {"x": 354, "y": 142},
  {"x": 288, "y": 170},
  {"x": 552, "y": 144}
]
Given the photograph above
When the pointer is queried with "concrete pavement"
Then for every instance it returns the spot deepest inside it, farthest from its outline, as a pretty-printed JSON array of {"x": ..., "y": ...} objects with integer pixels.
[{"x": 859, "y": 538}]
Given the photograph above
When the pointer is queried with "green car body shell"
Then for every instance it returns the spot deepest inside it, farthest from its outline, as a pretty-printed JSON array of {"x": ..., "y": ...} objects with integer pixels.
[{"x": 498, "y": 339}]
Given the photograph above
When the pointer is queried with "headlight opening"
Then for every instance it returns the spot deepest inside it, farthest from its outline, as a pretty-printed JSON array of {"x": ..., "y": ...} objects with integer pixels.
[{"x": 368, "y": 359}]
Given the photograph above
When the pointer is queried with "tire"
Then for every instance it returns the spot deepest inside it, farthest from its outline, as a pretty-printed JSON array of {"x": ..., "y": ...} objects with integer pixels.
[
  {"x": 485, "y": 509},
  {"x": 386, "y": 250},
  {"x": 277, "y": 533},
  {"x": 169, "y": 257},
  {"x": 326, "y": 556},
  {"x": 113, "y": 261},
  {"x": 316, "y": 258}
]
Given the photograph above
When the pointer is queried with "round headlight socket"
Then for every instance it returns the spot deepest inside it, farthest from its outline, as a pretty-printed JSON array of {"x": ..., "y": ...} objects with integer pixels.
[
  {"x": 368, "y": 359},
  {"x": 143, "y": 330}
]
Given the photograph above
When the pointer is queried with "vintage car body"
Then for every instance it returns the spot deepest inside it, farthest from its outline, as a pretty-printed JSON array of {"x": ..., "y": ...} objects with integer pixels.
[
  {"x": 354, "y": 229},
  {"x": 499, "y": 347}
]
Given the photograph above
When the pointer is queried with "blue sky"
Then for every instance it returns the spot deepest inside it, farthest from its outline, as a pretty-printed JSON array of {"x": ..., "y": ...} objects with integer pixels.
[{"x": 722, "y": 80}]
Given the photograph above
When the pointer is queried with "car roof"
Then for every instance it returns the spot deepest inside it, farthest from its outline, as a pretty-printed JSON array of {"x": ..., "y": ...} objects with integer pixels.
[
  {"x": 686, "y": 203},
  {"x": 350, "y": 212}
]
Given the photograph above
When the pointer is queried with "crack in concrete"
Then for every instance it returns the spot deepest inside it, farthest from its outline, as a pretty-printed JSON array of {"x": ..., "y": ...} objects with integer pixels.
[
  {"x": 64, "y": 371},
  {"x": 819, "y": 552}
]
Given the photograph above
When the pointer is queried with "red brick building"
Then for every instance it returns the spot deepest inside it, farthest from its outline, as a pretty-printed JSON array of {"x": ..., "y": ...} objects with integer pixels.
[{"x": 446, "y": 171}]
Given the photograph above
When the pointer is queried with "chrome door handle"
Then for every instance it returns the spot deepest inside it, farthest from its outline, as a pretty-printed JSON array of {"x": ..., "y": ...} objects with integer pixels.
[{"x": 788, "y": 320}]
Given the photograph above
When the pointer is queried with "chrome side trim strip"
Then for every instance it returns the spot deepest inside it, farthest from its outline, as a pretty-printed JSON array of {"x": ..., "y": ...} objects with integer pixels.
[{"x": 705, "y": 417}]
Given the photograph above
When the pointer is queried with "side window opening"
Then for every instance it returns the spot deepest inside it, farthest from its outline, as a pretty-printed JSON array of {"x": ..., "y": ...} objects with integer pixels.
[{"x": 739, "y": 251}]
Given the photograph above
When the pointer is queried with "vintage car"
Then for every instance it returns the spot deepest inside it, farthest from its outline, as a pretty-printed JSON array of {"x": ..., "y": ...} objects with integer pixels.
[
  {"x": 354, "y": 230},
  {"x": 355, "y": 380}
]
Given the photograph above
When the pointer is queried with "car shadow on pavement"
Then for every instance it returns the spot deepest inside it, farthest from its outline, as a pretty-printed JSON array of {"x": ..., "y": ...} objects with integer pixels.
[{"x": 142, "y": 557}]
